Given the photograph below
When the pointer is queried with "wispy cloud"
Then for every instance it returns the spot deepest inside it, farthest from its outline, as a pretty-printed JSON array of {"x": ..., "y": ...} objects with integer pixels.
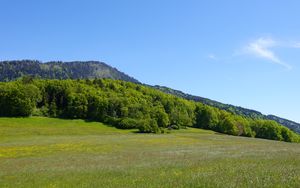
[
  {"x": 262, "y": 48},
  {"x": 296, "y": 45},
  {"x": 212, "y": 56}
]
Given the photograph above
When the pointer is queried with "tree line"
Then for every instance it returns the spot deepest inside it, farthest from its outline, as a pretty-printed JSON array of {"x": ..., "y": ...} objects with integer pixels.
[
  {"x": 231, "y": 108},
  {"x": 126, "y": 105}
]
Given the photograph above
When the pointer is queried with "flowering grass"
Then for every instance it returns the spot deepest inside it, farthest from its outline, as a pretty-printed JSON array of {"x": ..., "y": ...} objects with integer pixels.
[{"x": 47, "y": 152}]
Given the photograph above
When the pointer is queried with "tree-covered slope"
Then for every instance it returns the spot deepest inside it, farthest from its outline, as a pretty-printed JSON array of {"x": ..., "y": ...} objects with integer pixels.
[
  {"x": 231, "y": 108},
  {"x": 290, "y": 124},
  {"x": 11, "y": 70},
  {"x": 127, "y": 105}
]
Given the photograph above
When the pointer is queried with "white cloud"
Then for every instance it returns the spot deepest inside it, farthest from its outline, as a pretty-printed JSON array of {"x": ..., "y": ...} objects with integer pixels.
[
  {"x": 296, "y": 45},
  {"x": 212, "y": 56},
  {"x": 262, "y": 48}
]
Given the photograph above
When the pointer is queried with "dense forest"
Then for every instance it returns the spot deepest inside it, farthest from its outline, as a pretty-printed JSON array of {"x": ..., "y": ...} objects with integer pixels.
[
  {"x": 231, "y": 108},
  {"x": 127, "y": 105},
  {"x": 11, "y": 70}
]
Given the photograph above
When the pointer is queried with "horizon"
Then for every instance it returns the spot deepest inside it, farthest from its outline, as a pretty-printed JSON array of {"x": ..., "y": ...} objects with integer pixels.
[{"x": 239, "y": 53}]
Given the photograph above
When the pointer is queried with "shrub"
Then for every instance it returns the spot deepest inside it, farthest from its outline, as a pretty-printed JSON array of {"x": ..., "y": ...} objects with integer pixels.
[
  {"x": 148, "y": 126},
  {"x": 129, "y": 123}
]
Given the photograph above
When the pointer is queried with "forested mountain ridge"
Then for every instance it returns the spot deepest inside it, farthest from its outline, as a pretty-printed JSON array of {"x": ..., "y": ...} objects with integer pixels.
[
  {"x": 11, "y": 70},
  {"x": 231, "y": 108}
]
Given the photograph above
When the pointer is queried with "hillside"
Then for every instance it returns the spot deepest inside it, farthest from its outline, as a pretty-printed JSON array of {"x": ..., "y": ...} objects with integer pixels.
[
  {"x": 127, "y": 105},
  {"x": 11, "y": 70},
  {"x": 231, "y": 108},
  {"x": 49, "y": 152}
]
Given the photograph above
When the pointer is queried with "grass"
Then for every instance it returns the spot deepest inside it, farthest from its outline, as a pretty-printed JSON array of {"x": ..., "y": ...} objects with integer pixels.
[{"x": 46, "y": 152}]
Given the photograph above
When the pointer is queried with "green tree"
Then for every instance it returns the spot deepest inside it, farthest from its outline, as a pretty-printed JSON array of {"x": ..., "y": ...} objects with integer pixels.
[
  {"x": 160, "y": 116},
  {"x": 206, "y": 117},
  {"x": 77, "y": 106}
]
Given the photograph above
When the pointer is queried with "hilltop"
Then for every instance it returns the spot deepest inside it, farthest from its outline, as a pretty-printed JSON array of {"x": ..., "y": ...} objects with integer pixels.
[{"x": 12, "y": 70}]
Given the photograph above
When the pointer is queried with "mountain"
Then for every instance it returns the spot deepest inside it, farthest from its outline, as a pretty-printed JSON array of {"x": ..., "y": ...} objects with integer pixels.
[
  {"x": 231, "y": 108},
  {"x": 11, "y": 70}
]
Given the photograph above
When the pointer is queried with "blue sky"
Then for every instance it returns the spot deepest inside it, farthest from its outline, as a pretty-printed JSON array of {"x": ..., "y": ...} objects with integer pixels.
[{"x": 244, "y": 53}]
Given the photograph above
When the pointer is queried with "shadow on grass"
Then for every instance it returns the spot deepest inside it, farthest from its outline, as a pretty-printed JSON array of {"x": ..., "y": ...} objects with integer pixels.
[{"x": 217, "y": 133}]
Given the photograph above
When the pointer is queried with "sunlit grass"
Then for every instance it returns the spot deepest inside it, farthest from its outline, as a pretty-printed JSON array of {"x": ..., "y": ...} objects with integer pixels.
[{"x": 46, "y": 152}]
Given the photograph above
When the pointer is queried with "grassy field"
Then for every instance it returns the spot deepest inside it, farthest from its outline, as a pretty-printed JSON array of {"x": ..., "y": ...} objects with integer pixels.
[{"x": 45, "y": 152}]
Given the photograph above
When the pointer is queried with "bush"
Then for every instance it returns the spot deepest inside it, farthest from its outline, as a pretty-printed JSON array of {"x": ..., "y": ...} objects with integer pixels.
[
  {"x": 148, "y": 126},
  {"x": 128, "y": 123}
]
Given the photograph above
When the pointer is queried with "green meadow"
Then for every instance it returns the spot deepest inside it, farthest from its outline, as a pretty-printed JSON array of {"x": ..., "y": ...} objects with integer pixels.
[{"x": 48, "y": 152}]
